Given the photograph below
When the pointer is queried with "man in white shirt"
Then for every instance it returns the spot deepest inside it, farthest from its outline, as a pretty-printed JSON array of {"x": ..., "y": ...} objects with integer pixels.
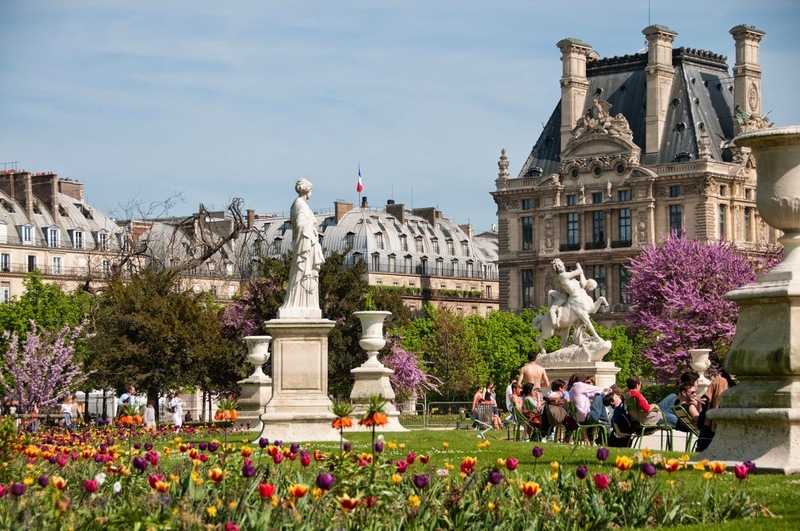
[{"x": 176, "y": 405}]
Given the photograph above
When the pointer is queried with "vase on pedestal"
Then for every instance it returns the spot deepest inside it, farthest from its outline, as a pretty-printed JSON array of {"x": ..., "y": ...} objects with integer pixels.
[
  {"x": 256, "y": 389},
  {"x": 258, "y": 355},
  {"x": 759, "y": 419},
  {"x": 701, "y": 363},
  {"x": 372, "y": 377}
]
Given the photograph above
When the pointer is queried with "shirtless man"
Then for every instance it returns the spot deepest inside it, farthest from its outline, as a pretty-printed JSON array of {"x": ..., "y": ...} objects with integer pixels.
[{"x": 534, "y": 373}]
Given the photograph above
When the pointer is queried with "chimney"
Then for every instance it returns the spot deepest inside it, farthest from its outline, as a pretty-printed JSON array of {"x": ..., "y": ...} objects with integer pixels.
[
  {"x": 574, "y": 84},
  {"x": 340, "y": 208},
  {"x": 74, "y": 189},
  {"x": 251, "y": 218},
  {"x": 45, "y": 188},
  {"x": 22, "y": 191},
  {"x": 467, "y": 228},
  {"x": 398, "y": 211},
  {"x": 364, "y": 203},
  {"x": 428, "y": 214},
  {"x": 659, "y": 83},
  {"x": 747, "y": 70}
]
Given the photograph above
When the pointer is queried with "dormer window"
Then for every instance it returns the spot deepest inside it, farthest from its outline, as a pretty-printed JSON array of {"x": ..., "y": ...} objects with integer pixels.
[
  {"x": 379, "y": 240},
  {"x": 465, "y": 248},
  {"x": 78, "y": 239},
  {"x": 436, "y": 246},
  {"x": 51, "y": 237},
  {"x": 27, "y": 235},
  {"x": 419, "y": 244},
  {"x": 403, "y": 242},
  {"x": 102, "y": 241},
  {"x": 349, "y": 240}
]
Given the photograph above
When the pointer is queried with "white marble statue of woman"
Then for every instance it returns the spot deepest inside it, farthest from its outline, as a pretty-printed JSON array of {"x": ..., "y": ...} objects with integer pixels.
[{"x": 302, "y": 292}]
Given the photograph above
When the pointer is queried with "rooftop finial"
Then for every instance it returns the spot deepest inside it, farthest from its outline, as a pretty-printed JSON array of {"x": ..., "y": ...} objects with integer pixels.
[{"x": 503, "y": 165}]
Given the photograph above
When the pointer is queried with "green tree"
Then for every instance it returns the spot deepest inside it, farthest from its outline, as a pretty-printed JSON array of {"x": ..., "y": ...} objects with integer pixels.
[
  {"x": 153, "y": 336},
  {"x": 504, "y": 340},
  {"x": 622, "y": 352}
]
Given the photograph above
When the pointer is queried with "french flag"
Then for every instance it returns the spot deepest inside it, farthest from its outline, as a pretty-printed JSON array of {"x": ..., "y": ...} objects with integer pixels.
[{"x": 359, "y": 186}]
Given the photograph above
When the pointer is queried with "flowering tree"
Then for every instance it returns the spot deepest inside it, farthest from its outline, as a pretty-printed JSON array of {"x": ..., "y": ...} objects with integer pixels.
[
  {"x": 676, "y": 293},
  {"x": 43, "y": 373},
  {"x": 409, "y": 379}
]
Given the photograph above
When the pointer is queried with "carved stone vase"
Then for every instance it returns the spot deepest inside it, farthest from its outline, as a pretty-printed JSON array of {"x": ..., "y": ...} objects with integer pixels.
[
  {"x": 701, "y": 363},
  {"x": 372, "y": 338},
  {"x": 759, "y": 419},
  {"x": 258, "y": 354}
]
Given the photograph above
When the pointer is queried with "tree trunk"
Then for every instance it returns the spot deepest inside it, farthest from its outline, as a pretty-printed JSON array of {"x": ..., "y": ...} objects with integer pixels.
[{"x": 152, "y": 396}]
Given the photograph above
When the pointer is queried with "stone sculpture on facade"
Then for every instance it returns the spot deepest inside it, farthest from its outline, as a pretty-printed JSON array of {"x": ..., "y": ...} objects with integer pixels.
[
  {"x": 302, "y": 292},
  {"x": 570, "y": 305}
]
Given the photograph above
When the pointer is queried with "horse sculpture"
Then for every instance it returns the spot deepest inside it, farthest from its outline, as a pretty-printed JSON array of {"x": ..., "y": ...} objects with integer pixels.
[{"x": 573, "y": 313}]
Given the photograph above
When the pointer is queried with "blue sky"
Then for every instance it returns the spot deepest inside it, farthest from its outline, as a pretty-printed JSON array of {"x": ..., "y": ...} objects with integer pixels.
[{"x": 142, "y": 99}]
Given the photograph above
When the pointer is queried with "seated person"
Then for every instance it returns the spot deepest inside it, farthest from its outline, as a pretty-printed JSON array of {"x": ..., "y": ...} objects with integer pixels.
[
  {"x": 688, "y": 399},
  {"x": 646, "y": 413},
  {"x": 532, "y": 404},
  {"x": 718, "y": 385},
  {"x": 588, "y": 400},
  {"x": 621, "y": 424},
  {"x": 516, "y": 396}
]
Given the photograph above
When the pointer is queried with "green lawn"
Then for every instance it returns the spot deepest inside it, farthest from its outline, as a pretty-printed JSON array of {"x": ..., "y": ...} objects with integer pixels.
[{"x": 780, "y": 494}]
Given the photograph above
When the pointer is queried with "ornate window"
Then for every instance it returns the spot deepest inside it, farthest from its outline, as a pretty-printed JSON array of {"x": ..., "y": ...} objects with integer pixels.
[
  {"x": 527, "y": 233},
  {"x": 527, "y": 288}
]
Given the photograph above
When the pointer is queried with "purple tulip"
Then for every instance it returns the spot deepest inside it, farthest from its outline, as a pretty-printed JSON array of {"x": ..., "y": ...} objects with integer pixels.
[
  {"x": 751, "y": 466},
  {"x": 203, "y": 446},
  {"x": 294, "y": 448},
  {"x": 213, "y": 447},
  {"x": 325, "y": 481},
  {"x": 44, "y": 481},
  {"x": 263, "y": 442},
  {"x": 602, "y": 454},
  {"x": 148, "y": 446},
  {"x": 379, "y": 446},
  {"x": 139, "y": 463},
  {"x": 18, "y": 489},
  {"x": 248, "y": 470},
  {"x": 347, "y": 447},
  {"x": 494, "y": 477},
  {"x": 137, "y": 445},
  {"x": 420, "y": 480},
  {"x": 581, "y": 472},
  {"x": 537, "y": 452},
  {"x": 52, "y": 459},
  {"x": 648, "y": 469},
  {"x": 278, "y": 443}
]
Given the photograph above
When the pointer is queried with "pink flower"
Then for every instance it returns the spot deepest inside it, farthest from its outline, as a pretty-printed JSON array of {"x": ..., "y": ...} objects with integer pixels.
[
  {"x": 741, "y": 471},
  {"x": 601, "y": 481},
  {"x": 90, "y": 485},
  {"x": 402, "y": 465},
  {"x": 512, "y": 463}
]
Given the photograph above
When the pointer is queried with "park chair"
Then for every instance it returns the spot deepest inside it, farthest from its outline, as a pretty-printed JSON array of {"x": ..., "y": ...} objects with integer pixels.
[
  {"x": 481, "y": 418},
  {"x": 523, "y": 425},
  {"x": 643, "y": 429},
  {"x": 691, "y": 425},
  {"x": 588, "y": 430}
]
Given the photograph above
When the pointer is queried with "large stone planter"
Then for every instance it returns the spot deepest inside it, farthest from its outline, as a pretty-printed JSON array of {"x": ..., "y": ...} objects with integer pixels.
[
  {"x": 256, "y": 389},
  {"x": 701, "y": 363},
  {"x": 372, "y": 377},
  {"x": 759, "y": 419}
]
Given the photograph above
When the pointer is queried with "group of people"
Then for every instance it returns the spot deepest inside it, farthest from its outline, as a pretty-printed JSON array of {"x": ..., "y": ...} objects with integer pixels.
[
  {"x": 174, "y": 406},
  {"x": 556, "y": 408},
  {"x": 72, "y": 410}
]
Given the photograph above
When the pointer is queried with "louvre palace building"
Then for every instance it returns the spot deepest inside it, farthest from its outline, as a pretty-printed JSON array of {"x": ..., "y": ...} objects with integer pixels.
[{"x": 638, "y": 146}]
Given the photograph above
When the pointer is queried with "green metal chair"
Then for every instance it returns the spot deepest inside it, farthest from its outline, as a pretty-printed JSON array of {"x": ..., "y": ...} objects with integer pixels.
[
  {"x": 643, "y": 429},
  {"x": 523, "y": 425},
  {"x": 686, "y": 419},
  {"x": 587, "y": 429}
]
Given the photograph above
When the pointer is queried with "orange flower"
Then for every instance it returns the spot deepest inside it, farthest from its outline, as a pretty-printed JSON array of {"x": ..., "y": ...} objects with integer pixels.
[
  {"x": 247, "y": 451},
  {"x": 319, "y": 456},
  {"x": 216, "y": 474},
  {"x": 671, "y": 465},
  {"x": 624, "y": 462},
  {"x": 162, "y": 486},
  {"x": 342, "y": 422},
  {"x": 298, "y": 490},
  {"x": 348, "y": 503},
  {"x": 59, "y": 482},
  {"x": 530, "y": 488},
  {"x": 374, "y": 419},
  {"x": 273, "y": 450},
  {"x": 31, "y": 451},
  {"x": 717, "y": 467}
]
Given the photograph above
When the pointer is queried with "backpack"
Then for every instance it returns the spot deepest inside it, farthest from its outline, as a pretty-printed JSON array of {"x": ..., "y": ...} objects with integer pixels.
[{"x": 170, "y": 408}]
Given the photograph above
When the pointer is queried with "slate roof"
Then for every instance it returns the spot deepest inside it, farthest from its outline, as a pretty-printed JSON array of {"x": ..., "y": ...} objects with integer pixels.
[{"x": 701, "y": 100}]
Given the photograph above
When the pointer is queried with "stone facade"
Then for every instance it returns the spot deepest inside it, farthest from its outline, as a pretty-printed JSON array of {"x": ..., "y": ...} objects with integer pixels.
[{"x": 638, "y": 146}]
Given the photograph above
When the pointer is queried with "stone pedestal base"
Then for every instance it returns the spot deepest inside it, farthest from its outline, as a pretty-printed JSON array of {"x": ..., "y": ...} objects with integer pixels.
[
  {"x": 255, "y": 394},
  {"x": 769, "y": 437},
  {"x": 373, "y": 379},
  {"x": 604, "y": 373},
  {"x": 299, "y": 409}
]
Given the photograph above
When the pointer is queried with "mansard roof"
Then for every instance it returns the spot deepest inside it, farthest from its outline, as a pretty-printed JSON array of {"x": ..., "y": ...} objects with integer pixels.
[{"x": 701, "y": 101}]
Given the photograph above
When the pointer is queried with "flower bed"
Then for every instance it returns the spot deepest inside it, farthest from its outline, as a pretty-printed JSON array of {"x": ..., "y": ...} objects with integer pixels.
[{"x": 115, "y": 478}]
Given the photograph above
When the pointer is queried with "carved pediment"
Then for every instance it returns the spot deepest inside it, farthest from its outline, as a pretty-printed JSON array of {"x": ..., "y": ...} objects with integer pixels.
[{"x": 598, "y": 134}]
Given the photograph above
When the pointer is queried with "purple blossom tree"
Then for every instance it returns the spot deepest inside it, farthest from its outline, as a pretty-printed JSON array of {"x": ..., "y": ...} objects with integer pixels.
[
  {"x": 676, "y": 293},
  {"x": 44, "y": 372},
  {"x": 409, "y": 379}
]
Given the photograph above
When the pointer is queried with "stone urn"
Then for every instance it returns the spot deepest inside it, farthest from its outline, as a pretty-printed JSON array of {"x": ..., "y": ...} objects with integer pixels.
[
  {"x": 258, "y": 355},
  {"x": 701, "y": 363},
  {"x": 372, "y": 337}
]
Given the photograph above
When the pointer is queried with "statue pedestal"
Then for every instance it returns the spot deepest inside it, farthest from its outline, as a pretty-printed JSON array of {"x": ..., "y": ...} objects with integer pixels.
[
  {"x": 759, "y": 419},
  {"x": 300, "y": 409},
  {"x": 255, "y": 394},
  {"x": 373, "y": 379},
  {"x": 604, "y": 373}
]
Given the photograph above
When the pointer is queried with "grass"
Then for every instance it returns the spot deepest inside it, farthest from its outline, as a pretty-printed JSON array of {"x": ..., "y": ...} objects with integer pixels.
[{"x": 777, "y": 492}]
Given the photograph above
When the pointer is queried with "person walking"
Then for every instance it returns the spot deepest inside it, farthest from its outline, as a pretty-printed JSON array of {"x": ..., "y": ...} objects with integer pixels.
[{"x": 176, "y": 407}]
